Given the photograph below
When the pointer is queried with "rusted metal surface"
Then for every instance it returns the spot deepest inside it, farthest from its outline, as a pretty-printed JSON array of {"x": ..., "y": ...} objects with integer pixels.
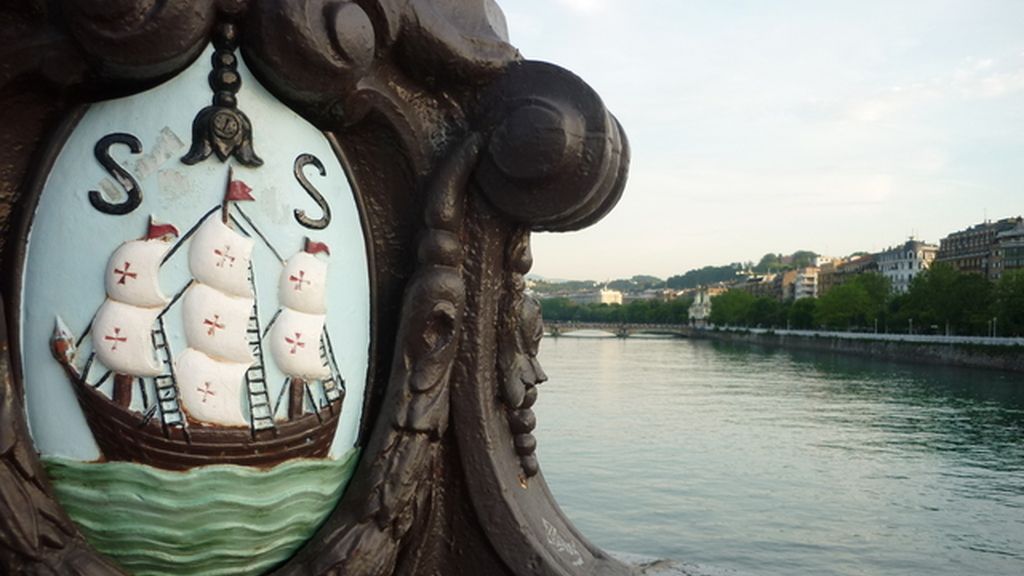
[{"x": 456, "y": 149}]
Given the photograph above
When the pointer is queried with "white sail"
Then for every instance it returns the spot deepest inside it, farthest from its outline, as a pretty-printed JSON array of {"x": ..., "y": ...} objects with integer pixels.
[
  {"x": 211, "y": 391},
  {"x": 303, "y": 284},
  {"x": 122, "y": 338},
  {"x": 295, "y": 344},
  {"x": 215, "y": 323},
  {"x": 133, "y": 273},
  {"x": 219, "y": 257}
]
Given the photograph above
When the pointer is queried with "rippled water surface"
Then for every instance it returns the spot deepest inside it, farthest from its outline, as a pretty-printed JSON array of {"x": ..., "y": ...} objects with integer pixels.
[
  {"x": 780, "y": 462},
  {"x": 212, "y": 520}
]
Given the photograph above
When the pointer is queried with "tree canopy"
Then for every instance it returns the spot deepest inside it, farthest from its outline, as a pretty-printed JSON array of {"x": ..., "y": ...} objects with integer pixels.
[
  {"x": 704, "y": 276},
  {"x": 635, "y": 312},
  {"x": 942, "y": 297}
]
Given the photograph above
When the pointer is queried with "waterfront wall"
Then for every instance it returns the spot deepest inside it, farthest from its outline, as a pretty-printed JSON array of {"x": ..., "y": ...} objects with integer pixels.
[{"x": 999, "y": 353}]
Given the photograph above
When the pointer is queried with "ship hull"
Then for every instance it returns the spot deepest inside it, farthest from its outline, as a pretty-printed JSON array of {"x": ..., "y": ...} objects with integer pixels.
[{"x": 122, "y": 435}]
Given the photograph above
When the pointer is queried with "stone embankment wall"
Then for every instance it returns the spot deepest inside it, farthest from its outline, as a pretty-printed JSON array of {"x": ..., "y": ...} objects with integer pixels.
[{"x": 953, "y": 353}]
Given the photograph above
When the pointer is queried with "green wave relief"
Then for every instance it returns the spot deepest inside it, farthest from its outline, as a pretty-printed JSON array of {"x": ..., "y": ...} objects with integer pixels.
[{"x": 213, "y": 521}]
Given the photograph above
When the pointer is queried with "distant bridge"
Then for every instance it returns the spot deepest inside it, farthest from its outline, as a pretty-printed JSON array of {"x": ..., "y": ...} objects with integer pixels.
[{"x": 619, "y": 329}]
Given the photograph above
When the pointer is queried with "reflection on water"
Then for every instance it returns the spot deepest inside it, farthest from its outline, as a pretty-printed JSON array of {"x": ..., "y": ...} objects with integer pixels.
[{"x": 785, "y": 462}]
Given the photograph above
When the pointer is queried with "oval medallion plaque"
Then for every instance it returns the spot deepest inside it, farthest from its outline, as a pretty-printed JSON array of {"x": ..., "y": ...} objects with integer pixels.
[{"x": 195, "y": 320}]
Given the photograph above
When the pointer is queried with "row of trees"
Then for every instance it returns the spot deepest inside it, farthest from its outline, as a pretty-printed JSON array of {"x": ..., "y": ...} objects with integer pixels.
[
  {"x": 635, "y": 312},
  {"x": 940, "y": 301}
]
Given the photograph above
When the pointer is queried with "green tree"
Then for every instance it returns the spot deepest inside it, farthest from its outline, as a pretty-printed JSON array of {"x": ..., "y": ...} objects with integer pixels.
[
  {"x": 801, "y": 314},
  {"x": 703, "y": 276},
  {"x": 802, "y": 259},
  {"x": 858, "y": 304},
  {"x": 637, "y": 311},
  {"x": 764, "y": 312},
  {"x": 942, "y": 297},
  {"x": 1009, "y": 303},
  {"x": 769, "y": 262},
  {"x": 731, "y": 308},
  {"x": 844, "y": 307},
  {"x": 558, "y": 309},
  {"x": 878, "y": 289}
]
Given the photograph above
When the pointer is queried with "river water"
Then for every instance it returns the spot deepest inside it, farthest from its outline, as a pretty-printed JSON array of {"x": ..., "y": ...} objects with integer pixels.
[{"x": 780, "y": 462}]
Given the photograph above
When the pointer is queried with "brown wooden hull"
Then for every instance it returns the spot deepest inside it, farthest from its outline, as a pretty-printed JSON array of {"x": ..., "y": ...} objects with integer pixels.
[{"x": 122, "y": 436}]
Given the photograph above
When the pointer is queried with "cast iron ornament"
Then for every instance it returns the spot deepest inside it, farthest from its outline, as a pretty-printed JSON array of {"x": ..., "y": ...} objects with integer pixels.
[
  {"x": 222, "y": 128},
  {"x": 457, "y": 149}
]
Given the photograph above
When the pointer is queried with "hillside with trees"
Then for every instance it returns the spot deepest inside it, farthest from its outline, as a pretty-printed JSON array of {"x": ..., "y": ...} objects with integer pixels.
[
  {"x": 704, "y": 276},
  {"x": 940, "y": 300},
  {"x": 635, "y": 312}
]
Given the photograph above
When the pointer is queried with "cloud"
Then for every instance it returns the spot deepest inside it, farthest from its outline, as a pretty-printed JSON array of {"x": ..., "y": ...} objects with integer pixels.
[{"x": 971, "y": 79}]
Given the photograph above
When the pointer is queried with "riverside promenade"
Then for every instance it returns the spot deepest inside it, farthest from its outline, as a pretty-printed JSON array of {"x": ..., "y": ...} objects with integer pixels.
[
  {"x": 911, "y": 338},
  {"x": 972, "y": 351},
  {"x": 1002, "y": 353}
]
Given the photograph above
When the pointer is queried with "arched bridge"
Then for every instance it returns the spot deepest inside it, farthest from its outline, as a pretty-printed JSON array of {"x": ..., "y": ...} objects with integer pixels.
[{"x": 620, "y": 329}]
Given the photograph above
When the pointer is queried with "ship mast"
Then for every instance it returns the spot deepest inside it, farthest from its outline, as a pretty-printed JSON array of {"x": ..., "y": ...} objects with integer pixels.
[
  {"x": 219, "y": 310},
  {"x": 296, "y": 338},
  {"x": 123, "y": 326}
]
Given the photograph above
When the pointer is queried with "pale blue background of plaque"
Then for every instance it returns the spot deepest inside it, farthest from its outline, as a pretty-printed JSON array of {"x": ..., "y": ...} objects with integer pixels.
[{"x": 70, "y": 241}]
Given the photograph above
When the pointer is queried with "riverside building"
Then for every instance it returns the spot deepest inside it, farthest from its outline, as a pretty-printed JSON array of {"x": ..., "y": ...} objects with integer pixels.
[
  {"x": 602, "y": 296},
  {"x": 1009, "y": 251},
  {"x": 837, "y": 274},
  {"x": 973, "y": 249},
  {"x": 805, "y": 283},
  {"x": 901, "y": 263}
]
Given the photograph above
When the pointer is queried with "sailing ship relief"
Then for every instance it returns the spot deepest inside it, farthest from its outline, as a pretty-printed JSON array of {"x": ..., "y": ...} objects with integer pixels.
[
  {"x": 209, "y": 403},
  {"x": 194, "y": 322}
]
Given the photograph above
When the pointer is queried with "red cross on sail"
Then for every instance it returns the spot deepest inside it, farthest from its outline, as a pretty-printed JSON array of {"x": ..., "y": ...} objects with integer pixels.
[
  {"x": 299, "y": 280},
  {"x": 219, "y": 257},
  {"x": 115, "y": 338},
  {"x": 295, "y": 336},
  {"x": 125, "y": 332},
  {"x": 214, "y": 325},
  {"x": 216, "y": 310},
  {"x": 211, "y": 389},
  {"x": 138, "y": 261},
  {"x": 225, "y": 257},
  {"x": 296, "y": 343},
  {"x": 127, "y": 316},
  {"x": 125, "y": 274},
  {"x": 206, "y": 392}
]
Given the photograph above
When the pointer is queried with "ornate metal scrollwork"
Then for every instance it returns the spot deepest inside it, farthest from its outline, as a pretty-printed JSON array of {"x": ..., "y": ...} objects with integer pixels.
[
  {"x": 222, "y": 128},
  {"x": 520, "y": 371},
  {"x": 457, "y": 149},
  {"x": 36, "y": 536}
]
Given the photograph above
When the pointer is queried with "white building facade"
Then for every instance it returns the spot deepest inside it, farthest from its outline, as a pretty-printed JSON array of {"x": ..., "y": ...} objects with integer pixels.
[
  {"x": 602, "y": 296},
  {"x": 901, "y": 263},
  {"x": 700, "y": 309},
  {"x": 805, "y": 285}
]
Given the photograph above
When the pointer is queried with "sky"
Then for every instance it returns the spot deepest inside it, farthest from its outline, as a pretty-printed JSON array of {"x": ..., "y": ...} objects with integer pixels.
[{"x": 773, "y": 126}]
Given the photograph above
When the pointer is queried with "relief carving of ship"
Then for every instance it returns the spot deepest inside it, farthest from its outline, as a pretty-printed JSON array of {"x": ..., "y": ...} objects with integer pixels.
[{"x": 210, "y": 404}]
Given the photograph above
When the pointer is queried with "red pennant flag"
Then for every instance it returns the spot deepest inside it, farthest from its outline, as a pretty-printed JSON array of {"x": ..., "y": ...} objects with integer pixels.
[
  {"x": 159, "y": 230},
  {"x": 238, "y": 191},
  {"x": 317, "y": 247}
]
